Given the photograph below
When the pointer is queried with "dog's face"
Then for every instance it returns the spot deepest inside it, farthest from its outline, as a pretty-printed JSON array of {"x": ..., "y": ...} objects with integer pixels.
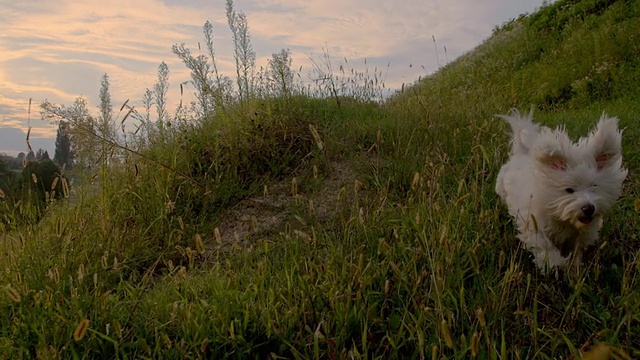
[
  {"x": 578, "y": 182},
  {"x": 577, "y": 195}
]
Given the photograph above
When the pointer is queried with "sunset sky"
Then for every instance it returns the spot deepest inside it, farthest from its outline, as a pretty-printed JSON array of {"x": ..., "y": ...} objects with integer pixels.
[{"x": 59, "y": 50}]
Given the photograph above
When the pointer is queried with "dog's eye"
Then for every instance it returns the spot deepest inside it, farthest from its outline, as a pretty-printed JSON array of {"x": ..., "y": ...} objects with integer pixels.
[{"x": 569, "y": 190}]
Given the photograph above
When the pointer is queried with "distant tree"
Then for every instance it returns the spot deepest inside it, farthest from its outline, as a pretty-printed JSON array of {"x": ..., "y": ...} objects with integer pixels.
[
  {"x": 6, "y": 181},
  {"x": 40, "y": 154},
  {"x": 89, "y": 136},
  {"x": 83, "y": 129},
  {"x": 31, "y": 156},
  {"x": 20, "y": 159},
  {"x": 63, "y": 155},
  {"x": 280, "y": 74},
  {"x": 45, "y": 155},
  {"x": 4, "y": 167}
]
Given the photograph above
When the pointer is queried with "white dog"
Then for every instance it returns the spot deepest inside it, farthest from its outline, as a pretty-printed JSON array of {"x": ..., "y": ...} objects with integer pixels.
[{"x": 558, "y": 190}]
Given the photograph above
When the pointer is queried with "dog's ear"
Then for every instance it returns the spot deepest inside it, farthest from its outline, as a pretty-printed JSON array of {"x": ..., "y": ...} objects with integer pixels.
[
  {"x": 604, "y": 160},
  {"x": 551, "y": 149},
  {"x": 604, "y": 143},
  {"x": 556, "y": 162}
]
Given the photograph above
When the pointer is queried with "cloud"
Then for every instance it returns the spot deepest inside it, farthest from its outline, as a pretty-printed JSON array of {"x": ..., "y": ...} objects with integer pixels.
[{"x": 60, "y": 50}]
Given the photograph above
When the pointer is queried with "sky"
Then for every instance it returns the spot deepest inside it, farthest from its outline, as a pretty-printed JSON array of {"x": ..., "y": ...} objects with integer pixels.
[{"x": 58, "y": 50}]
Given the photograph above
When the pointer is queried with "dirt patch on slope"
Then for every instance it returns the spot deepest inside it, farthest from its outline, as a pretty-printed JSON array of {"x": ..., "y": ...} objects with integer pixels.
[{"x": 287, "y": 206}]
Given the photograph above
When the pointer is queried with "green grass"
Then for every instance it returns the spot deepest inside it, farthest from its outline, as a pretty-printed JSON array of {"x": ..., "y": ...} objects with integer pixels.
[{"x": 391, "y": 244}]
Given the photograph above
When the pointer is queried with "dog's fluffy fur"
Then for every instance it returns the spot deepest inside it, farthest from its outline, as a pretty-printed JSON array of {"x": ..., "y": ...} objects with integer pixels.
[{"x": 557, "y": 190}]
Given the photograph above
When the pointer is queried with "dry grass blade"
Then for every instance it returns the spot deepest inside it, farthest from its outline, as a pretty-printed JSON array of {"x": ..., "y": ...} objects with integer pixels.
[
  {"x": 126, "y": 115},
  {"x": 124, "y": 104},
  {"x": 27, "y": 139},
  {"x": 29, "y": 122}
]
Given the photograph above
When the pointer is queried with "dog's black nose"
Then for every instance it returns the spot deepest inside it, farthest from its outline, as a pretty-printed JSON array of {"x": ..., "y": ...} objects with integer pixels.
[{"x": 588, "y": 210}]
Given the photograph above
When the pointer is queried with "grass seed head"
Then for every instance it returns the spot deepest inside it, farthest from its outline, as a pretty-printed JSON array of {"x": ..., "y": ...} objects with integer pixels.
[
  {"x": 80, "y": 273},
  {"x": 481, "y": 318},
  {"x": 446, "y": 334},
  {"x": 65, "y": 187},
  {"x": 182, "y": 273},
  {"x": 316, "y": 137},
  {"x": 59, "y": 228},
  {"x": 204, "y": 345},
  {"x": 13, "y": 294},
  {"x": 216, "y": 233},
  {"x": 190, "y": 257},
  {"x": 357, "y": 186},
  {"x": 54, "y": 275},
  {"x": 312, "y": 208},
  {"x": 415, "y": 183},
  {"x": 54, "y": 183},
  {"x": 475, "y": 344},
  {"x": 80, "y": 330},
  {"x": 199, "y": 244},
  {"x": 598, "y": 352},
  {"x": 118, "y": 328}
]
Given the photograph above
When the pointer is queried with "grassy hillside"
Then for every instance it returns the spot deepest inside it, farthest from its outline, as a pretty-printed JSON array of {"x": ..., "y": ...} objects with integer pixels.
[
  {"x": 333, "y": 227},
  {"x": 566, "y": 56}
]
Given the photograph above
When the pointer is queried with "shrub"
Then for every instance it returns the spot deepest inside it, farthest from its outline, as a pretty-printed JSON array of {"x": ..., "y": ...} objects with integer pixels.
[{"x": 43, "y": 181}]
